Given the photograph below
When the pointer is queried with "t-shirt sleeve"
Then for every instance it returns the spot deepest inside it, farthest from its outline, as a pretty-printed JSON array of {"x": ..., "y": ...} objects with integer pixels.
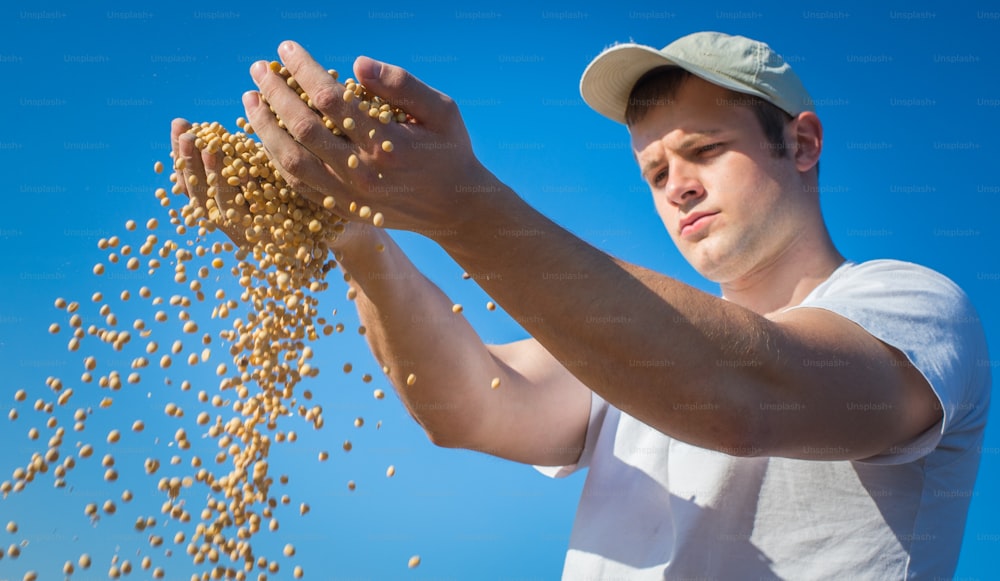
[
  {"x": 598, "y": 410},
  {"x": 931, "y": 321}
]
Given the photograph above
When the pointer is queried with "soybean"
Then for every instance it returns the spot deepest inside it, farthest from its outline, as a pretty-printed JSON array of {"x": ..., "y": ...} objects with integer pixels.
[{"x": 281, "y": 263}]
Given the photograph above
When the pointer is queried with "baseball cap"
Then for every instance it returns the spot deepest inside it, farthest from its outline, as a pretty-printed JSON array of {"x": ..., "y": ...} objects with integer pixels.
[{"x": 734, "y": 62}]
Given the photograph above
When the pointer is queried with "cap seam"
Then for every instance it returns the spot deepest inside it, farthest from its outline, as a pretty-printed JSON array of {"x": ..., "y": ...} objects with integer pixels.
[{"x": 758, "y": 62}]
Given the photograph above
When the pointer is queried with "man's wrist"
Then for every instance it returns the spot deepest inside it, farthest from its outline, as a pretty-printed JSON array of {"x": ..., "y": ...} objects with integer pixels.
[{"x": 483, "y": 206}]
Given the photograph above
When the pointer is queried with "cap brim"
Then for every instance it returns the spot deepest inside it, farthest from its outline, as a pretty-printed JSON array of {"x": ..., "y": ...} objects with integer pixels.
[{"x": 608, "y": 80}]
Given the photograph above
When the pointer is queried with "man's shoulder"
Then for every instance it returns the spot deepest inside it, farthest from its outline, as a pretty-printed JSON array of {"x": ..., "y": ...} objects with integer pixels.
[
  {"x": 907, "y": 297},
  {"x": 923, "y": 314},
  {"x": 875, "y": 288},
  {"x": 891, "y": 275},
  {"x": 885, "y": 266}
]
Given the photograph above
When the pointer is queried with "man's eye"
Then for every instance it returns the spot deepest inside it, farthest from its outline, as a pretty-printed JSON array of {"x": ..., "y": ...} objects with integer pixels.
[
  {"x": 659, "y": 178},
  {"x": 709, "y": 148}
]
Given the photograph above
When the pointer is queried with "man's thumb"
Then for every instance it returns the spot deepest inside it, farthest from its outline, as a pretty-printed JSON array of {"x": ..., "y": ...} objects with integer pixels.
[{"x": 397, "y": 86}]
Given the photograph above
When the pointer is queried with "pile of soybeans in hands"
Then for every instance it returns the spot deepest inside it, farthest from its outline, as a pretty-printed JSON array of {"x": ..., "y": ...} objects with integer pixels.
[{"x": 260, "y": 349}]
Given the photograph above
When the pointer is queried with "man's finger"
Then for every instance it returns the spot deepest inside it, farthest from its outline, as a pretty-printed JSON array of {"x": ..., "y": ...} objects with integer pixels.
[
  {"x": 399, "y": 87},
  {"x": 296, "y": 161},
  {"x": 325, "y": 93},
  {"x": 230, "y": 213},
  {"x": 192, "y": 170},
  {"x": 301, "y": 122},
  {"x": 178, "y": 127}
]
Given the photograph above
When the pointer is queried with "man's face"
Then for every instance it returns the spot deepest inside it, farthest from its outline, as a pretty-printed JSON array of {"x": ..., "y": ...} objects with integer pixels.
[{"x": 730, "y": 205}]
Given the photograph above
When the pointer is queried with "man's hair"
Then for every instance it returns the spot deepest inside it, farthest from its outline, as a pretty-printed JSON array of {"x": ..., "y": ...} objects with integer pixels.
[{"x": 660, "y": 85}]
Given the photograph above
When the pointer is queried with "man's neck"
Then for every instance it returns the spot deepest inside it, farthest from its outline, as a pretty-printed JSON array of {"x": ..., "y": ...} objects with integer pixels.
[{"x": 788, "y": 278}]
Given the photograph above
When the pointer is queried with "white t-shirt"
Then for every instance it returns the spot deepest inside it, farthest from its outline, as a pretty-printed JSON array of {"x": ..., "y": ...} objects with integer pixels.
[{"x": 653, "y": 507}]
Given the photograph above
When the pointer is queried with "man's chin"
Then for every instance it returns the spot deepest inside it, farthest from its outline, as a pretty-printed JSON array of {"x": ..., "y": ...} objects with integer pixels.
[
  {"x": 717, "y": 269},
  {"x": 711, "y": 272},
  {"x": 707, "y": 262}
]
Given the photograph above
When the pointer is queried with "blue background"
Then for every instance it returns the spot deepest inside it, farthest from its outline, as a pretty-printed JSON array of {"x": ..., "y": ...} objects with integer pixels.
[{"x": 908, "y": 96}]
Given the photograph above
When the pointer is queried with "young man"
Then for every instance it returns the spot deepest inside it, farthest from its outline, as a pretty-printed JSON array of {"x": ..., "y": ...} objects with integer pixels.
[{"x": 820, "y": 420}]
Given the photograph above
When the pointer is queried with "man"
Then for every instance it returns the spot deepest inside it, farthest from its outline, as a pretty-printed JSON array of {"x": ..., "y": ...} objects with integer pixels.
[{"x": 821, "y": 420}]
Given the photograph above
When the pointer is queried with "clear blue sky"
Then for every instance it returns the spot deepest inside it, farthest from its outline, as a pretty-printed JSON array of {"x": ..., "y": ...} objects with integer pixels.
[{"x": 908, "y": 96}]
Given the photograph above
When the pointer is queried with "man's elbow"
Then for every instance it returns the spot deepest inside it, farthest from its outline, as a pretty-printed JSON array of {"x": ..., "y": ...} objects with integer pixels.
[
  {"x": 442, "y": 439},
  {"x": 451, "y": 437}
]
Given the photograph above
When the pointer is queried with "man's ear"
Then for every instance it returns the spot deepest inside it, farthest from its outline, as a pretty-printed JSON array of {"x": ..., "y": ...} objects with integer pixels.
[{"x": 807, "y": 135}]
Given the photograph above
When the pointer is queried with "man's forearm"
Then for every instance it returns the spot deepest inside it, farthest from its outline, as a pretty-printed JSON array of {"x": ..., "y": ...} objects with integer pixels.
[
  {"x": 656, "y": 348},
  {"x": 435, "y": 358}
]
